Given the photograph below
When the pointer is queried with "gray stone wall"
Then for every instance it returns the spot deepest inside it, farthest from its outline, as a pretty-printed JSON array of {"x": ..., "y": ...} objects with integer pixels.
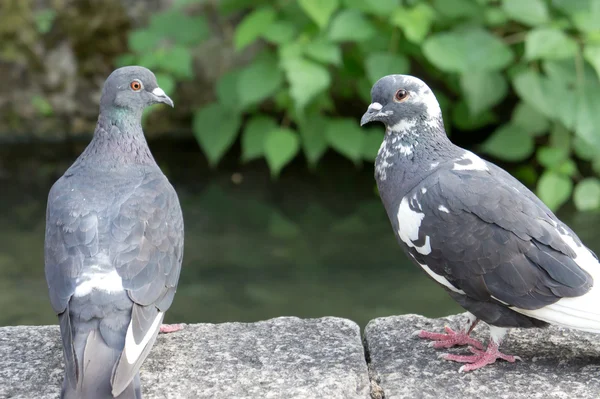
[{"x": 320, "y": 358}]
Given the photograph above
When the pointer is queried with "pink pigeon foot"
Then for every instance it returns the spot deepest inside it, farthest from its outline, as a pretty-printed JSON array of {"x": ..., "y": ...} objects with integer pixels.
[
  {"x": 450, "y": 338},
  {"x": 479, "y": 358},
  {"x": 169, "y": 328}
]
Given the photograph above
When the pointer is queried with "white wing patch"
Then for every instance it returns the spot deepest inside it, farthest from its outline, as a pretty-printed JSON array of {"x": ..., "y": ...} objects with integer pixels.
[
  {"x": 582, "y": 312},
  {"x": 475, "y": 163},
  {"x": 98, "y": 279},
  {"x": 133, "y": 350},
  {"x": 409, "y": 222}
]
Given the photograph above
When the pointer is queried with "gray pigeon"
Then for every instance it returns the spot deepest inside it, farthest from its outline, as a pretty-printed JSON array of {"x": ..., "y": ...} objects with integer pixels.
[
  {"x": 475, "y": 230},
  {"x": 114, "y": 246}
]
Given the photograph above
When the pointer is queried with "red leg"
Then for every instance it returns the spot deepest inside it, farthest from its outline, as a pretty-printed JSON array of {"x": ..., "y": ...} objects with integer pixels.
[{"x": 169, "y": 328}]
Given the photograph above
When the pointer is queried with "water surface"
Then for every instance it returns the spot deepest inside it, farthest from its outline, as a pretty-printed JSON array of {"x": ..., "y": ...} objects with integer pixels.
[{"x": 310, "y": 244}]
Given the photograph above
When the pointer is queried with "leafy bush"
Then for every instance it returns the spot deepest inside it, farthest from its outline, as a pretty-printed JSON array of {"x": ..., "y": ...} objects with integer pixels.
[{"x": 528, "y": 69}]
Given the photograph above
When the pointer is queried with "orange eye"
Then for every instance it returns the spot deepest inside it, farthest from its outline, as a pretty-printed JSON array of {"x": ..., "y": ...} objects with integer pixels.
[
  {"x": 135, "y": 85},
  {"x": 401, "y": 95}
]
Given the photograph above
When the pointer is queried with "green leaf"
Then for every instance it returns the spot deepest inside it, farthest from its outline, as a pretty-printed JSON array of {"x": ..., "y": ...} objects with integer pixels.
[
  {"x": 583, "y": 149},
  {"x": 462, "y": 118},
  {"x": 371, "y": 144},
  {"x": 314, "y": 141},
  {"x": 166, "y": 82},
  {"x": 382, "y": 8},
  {"x": 346, "y": 137},
  {"x": 143, "y": 40},
  {"x": 379, "y": 65},
  {"x": 280, "y": 32},
  {"x": 351, "y": 25},
  {"x": 551, "y": 157},
  {"x": 567, "y": 72},
  {"x": 483, "y": 90},
  {"x": 258, "y": 81},
  {"x": 253, "y": 137},
  {"x": 548, "y": 97},
  {"x": 528, "y": 12},
  {"x": 592, "y": 55},
  {"x": 529, "y": 86},
  {"x": 126, "y": 59},
  {"x": 319, "y": 11},
  {"x": 281, "y": 146},
  {"x": 177, "y": 60},
  {"x": 584, "y": 13},
  {"x": 324, "y": 51},
  {"x": 415, "y": 22},
  {"x": 495, "y": 17},
  {"x": 215, "y": 127},
  {"x": 42, "y": 105},
  {"x": 560, "y": 137},
  {"x": 467, "y": 50},
  {"x": 509, "y": 143},
  {"x": 587, "y": 194},
  {"x": 307, "y": 79},
  {"x": 44, "y": 20},
  {"x": 567, "y": 168},
  {"x": 530, "y": 120},
  {"x": 588, "y": 115},
  {"x": 455, "y": 9},
  {"x": 549, "y": 44},
  {"x": 554, "y": 189},
  {"x": 179, "y": 27},
  {"x": 253, "y": 26},
  {"x": 227, "y": 89}
]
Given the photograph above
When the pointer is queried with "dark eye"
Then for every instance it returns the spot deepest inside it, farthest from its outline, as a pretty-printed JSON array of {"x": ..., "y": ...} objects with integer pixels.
[
  {"x": 136, "y": 85},
  {"x": 401, "y": 95}
]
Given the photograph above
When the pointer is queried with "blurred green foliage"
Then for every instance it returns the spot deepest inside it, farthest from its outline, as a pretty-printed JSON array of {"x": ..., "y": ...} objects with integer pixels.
[{"x": 526, "y": 69}]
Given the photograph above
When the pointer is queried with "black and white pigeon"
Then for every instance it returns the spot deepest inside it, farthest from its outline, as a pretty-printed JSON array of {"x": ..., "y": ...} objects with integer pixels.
[
  {"x": 474, "y": 229},
  {"x": 114, "y": 246}
]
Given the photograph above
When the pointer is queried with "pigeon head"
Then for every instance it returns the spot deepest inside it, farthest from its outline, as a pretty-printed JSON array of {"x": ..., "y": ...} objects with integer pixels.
[
  {"x": 132, "y": 88},
  {"x": 400, "y": 99}
]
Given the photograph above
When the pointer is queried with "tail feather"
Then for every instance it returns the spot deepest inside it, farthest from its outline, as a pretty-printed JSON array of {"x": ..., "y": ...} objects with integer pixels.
[
  {"x": 95, "y": 360},
  {"x": 71, "y": 364},
  {"x": 135, "y": 351},
  {"x": 580, "y": 312}
]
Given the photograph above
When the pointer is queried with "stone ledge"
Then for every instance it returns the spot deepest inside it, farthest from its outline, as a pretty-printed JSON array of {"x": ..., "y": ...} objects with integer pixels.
[
  {"x": 321, "y": 358},
  {"x": 557, "y": 363},
  {"x": 279, "y": 358}
]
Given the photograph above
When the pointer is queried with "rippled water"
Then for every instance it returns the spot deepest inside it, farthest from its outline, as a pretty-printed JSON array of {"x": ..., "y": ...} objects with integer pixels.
[{"x": 307, "y": 245}]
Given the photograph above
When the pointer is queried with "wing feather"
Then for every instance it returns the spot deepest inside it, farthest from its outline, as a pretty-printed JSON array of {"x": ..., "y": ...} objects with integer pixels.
[{"x": 494, "y": 244}]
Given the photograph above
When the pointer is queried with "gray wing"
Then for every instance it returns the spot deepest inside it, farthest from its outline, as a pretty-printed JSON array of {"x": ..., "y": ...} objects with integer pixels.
[
  {"x": 493, "y": 239},
  {"x": 71, "y": 236},
  {"x": 146, "y": 247}
]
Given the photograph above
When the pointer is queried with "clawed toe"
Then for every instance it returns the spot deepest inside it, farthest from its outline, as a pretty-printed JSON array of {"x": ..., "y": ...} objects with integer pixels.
[{"x": 449, "y": 339}]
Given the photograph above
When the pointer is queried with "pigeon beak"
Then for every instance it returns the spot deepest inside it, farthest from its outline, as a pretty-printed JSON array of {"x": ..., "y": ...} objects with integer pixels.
[
  {"x": 161, "y": 97},
  {"x": 371, "y": 113}
]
